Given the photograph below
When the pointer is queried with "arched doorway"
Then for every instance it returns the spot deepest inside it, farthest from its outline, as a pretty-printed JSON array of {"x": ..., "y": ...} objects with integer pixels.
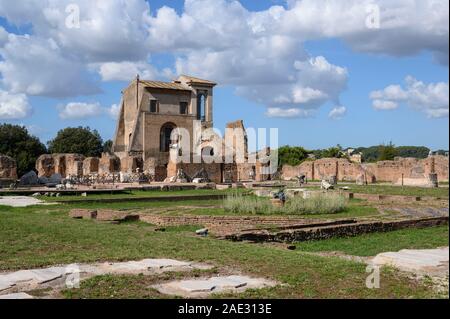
[{"x": 165, "y": 136}]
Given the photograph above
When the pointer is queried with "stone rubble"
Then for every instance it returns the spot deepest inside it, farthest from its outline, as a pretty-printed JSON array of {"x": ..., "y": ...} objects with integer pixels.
[{"x": 55, "y": 277}]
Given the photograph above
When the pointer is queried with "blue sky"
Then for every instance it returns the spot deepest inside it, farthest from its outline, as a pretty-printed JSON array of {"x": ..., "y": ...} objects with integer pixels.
[{"x": 304, "y": 69}]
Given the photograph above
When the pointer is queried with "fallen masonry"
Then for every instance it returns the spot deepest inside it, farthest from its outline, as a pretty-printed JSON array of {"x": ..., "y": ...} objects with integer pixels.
[{"x": 60, "y": 276}]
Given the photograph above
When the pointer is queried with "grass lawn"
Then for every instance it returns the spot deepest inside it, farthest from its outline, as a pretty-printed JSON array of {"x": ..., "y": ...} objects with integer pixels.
[
  {"x": 375, "y": 243},
  {"x": 399, "y": 190},
  {"x": 44, "y": 235},
  {"x": 354, "y": 209},
  {"x": 150, "y": 193}
]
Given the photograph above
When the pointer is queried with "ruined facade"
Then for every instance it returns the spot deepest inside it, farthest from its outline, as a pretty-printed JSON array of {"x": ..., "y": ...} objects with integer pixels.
[
  {"x": 409, "y": 171},
  {"x": 165, "y": 129},
  {"x": 150, "y": 113}
]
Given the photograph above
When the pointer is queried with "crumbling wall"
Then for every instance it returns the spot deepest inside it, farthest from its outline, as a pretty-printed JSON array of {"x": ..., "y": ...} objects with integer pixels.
[
  {"x": 90, "y": 165},
  {"x": 131, "y": 164},
  {"x": 45, "y": 165},
  {"x": 213, "y": 170},
  {"x": 387, "y": 171},
  {"x": 108, "y": 164},
  {"x": 8, "y": 168}
]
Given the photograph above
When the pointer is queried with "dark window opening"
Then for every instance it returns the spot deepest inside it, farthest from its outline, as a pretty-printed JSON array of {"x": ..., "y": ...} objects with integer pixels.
[
  {"x": 201, "y": 106},
  {"x": 154, "y": 106},
  {"x": 183, "y": 107}
]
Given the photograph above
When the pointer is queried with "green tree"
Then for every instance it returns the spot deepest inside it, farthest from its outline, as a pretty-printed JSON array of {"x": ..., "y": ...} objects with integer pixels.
[
  {"x": 291, "y": 155},
  {"x": 80, "y": 140},
  {"x": 413, "y": 151},
  {"x": 387, "y": 152},
  {"x": 330, "y": 152},
  {"x": 17, "y": 143},
  {"x": 107, "y": 146}
]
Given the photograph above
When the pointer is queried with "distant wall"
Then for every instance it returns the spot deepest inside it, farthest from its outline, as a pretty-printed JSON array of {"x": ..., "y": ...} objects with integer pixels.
[{"x": 388, "y": 171}]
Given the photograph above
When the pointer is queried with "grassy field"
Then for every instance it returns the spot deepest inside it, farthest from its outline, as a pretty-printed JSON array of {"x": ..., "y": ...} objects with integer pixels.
[
  {"x": 399, "y": 190},
  {"x": 44, "y": 235},
  {"x": 149, "y": 193},
  {"x": 372, "y": 244}
]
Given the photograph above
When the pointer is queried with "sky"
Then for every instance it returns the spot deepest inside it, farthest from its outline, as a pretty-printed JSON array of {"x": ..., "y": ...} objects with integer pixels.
[{"x": 324, "y": 72}]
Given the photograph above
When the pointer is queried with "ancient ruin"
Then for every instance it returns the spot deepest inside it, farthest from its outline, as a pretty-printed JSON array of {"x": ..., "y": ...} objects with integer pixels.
[
  {"x": 154, "y": 117},
  {"x": 8, "y": 169},
  {"x": 401, "y": 171}
]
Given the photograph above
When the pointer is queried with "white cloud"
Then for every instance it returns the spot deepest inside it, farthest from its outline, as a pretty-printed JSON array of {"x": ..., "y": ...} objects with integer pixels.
[
  {"x": 384, "y": 105},
  {"x": 81, "y": 110},
  {"x": 108, "y": 30},
  {"x": 13, "y": 106},
  {"x": 288, "y": 113},
  {"x": 37, "y": 66},
  {"x": 337, "y": 113},
  {"x": 432, "y": 98},
  {"x": 4, "y": 35},
  {"x": 406, "y": 26},
  {"x": 127, "y": 71},
  {"x": 114, "y": 111},
  {"x": 260, "y": 53}
]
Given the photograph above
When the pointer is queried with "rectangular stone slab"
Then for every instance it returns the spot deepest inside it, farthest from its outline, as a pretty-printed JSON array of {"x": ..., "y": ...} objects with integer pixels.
[
  {"x": 5, "y": 284},
  {"x": 19, "y": 295},
  {"x": 195, "y": 285},
  {"x": 162, "y": 263}
]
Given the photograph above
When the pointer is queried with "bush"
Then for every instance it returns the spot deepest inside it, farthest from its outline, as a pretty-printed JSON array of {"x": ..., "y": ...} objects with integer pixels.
[
  {"x": 237, "y": 203},
  {"x": 318, "y": 204}
]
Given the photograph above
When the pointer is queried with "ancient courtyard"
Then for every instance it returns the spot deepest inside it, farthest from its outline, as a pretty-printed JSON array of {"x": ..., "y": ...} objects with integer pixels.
[
  {"x": 142, "y": 221},
  {"x": 223, "y": 158}
]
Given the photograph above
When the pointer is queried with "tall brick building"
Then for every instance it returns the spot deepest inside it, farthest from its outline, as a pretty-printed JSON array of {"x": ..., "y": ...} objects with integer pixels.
[{"x": 150, "y": 111}]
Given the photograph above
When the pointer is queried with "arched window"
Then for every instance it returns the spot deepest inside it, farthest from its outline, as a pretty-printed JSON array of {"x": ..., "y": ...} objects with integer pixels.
[
  {"x": 165, "y": 141},
  {"x": 201, "y": 106}
]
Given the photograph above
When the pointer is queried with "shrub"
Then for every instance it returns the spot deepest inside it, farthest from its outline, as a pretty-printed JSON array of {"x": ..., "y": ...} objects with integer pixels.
[
  {"x": 237, "y": 203},
  {"x": 321, "y": 203}
]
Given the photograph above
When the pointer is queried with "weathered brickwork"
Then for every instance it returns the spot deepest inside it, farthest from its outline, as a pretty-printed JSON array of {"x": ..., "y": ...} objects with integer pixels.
[
  {"x": 8, "y": 168},
  {"x": 386, "y": 171},
  {"x": 332, "y": 231}
]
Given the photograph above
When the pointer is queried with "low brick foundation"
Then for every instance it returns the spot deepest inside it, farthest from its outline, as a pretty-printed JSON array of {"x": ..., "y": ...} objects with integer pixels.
[
  {"x": 103, "y": 215},
  {"x": 378, "y": 197},
  {"x": 326, "y": 232}
]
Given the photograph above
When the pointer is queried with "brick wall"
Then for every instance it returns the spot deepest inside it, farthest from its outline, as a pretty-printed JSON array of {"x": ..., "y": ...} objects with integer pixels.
[{"x": 389, "y": 171}]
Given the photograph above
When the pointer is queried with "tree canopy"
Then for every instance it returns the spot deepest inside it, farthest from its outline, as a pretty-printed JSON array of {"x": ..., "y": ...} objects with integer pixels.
[
  {"x": 374, "y": 153},
  {"x": 80, "y": 140},
  {"x": 387, "y": 152},
  {"x": 17, "y": 143},
  {"x": 291, "y": 155}
]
